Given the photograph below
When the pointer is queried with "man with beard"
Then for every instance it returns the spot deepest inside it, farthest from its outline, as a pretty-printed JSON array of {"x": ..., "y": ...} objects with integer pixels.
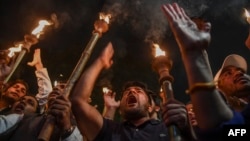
[
  {"x": 211, "y": 111},
  {"x": 25, "y": 105},
  {"x": 233, "y": 82},
  {"x": 134, "y": 109}
]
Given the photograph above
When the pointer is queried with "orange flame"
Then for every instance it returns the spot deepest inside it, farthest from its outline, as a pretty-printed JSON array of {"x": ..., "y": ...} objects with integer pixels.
[
  {"x": 247, "y": 15},
  {"x": 14, "y": 49},
  {"x": 158, "y": 51},
  {"x": 105, "y": 90},
  {"x": 39, "y": 29},
  {"x": 105, "y": 17}
]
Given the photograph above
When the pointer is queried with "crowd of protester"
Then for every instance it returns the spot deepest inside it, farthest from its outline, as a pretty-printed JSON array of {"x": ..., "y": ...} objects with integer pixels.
[{"x": 215, "y": 101}]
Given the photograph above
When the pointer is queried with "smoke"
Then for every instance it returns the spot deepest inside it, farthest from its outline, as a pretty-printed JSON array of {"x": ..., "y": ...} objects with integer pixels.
[{"x": 145, "y": 17}]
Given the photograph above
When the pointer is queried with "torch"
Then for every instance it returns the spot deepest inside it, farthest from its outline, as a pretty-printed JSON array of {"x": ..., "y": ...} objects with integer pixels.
[
  {"x": 247, "y": 42},
  {"x": 24, "y": 46},
  {"x": 162, "y": 64},
  {"x": 100, "y": 26}
]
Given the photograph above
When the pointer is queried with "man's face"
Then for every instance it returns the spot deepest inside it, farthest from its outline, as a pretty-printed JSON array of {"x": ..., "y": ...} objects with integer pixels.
[
  {"x": 26, "y": 104},
  {"x": 15, "y": 91},
  {"x": 234, "y": 82},
  {"x": 134, "y": 103}
]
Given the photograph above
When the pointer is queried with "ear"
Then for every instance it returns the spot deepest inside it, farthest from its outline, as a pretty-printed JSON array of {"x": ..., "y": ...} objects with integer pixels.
[{"x": 150, "y": 109}]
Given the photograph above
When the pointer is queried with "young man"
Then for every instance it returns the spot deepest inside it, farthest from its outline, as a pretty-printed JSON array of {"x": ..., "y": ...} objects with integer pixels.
[
  {"x": 18, "y": 88},
  {"x": 25, "y": 105},
  {"x": 210, "y": 108},
  {"x": 234, "y": 82},
  {"x": 134, "y": 109},
  {"x": 30, "y": 126}
]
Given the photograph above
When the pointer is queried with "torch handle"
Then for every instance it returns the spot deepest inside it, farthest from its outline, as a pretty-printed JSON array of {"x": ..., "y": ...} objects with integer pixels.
[
  {"x": 174, "y": 134},
  {"x": 17, "y": 62},
  {"x": 47, "y": 129},
  {"x": 81, "y": 64}
]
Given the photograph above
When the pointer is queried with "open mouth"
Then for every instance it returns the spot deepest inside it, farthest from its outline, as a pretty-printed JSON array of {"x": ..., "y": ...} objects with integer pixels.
[
  {"x": 131, "y": 100},
  {"x": 241, "y": 80},
  {"x": 20, "y": 107}
]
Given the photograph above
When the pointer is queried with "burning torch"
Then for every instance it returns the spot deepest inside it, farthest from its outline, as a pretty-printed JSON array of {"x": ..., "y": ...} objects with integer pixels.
[
  {"x": 247, "y": 15},
  {"x": 24, "y": 46},
  {"x": 100, "y": 26},
  {"x": 162, "y": 64}
]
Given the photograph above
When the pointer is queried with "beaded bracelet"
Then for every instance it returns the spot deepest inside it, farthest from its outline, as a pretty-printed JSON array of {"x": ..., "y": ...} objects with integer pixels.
[{"x": 201, "y": 86}]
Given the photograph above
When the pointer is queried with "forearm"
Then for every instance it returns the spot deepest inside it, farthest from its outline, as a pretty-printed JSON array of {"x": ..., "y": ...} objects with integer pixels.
[
  {"x": 209, "y": 107},
  {"x": 44, "y": 86},
  {"x": 89, "y": 120},
  {"x": 85, "y": 84}
]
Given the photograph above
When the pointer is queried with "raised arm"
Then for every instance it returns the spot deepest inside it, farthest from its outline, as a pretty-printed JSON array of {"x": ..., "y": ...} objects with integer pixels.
[
  {"x": 192, "y": 40},
  {"x": 89, "y": 120},
  {"x": 43, "y": 79}
]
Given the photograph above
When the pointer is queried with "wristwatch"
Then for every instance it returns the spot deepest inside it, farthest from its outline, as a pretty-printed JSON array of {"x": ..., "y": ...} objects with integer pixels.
[{"x": 68, "y": 132}]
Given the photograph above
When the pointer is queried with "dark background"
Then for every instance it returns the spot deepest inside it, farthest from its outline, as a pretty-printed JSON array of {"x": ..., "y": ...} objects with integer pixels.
[{"x": 134, "y": 26}]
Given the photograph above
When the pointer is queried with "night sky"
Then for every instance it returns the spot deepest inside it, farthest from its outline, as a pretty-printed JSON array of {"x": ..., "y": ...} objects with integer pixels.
[{"x": 134, "y": 26}]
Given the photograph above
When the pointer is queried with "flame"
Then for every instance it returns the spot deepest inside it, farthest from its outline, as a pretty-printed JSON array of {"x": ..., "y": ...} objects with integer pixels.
[
  {"x": 247, "y": 13},
  {"x": 105, "y": 90},
  {"x": 14, "y": 49},
  {"x": 55, "y": 83},
  {"x": 158, "y": 51},
  {"x": 105, "y": 17},
  {"x": 39, "y": 29}
]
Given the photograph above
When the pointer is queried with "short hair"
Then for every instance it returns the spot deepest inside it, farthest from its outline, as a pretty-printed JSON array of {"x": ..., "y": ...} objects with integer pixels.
[
  {"x": 8, "y": 85},
  {"x": 138, "y": 84}
]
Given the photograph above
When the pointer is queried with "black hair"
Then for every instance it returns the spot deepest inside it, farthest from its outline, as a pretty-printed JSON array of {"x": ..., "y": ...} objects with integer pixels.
[{"x": 8, "y": 85}]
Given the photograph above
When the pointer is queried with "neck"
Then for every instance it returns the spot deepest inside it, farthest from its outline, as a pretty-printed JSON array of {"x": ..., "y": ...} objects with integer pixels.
[{"x": 140, "y": 121}]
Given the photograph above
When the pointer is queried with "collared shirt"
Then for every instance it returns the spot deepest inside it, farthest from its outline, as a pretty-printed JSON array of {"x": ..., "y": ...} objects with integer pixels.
[{"x": 151, "y": 130}]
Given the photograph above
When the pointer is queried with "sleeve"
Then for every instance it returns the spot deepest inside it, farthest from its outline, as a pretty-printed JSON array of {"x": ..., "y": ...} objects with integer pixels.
[
  {"x": 217, "y": 134},
  {"x": 8, "y": 121},
  {"x": 44, "y": 86},
  {"x": 74, "y": 136}
]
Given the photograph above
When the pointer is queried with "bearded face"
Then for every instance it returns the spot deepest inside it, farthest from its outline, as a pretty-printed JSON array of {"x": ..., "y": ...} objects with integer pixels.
[
  {"x": 234, "y": 82},
  {"x": 134, "y": 104}
]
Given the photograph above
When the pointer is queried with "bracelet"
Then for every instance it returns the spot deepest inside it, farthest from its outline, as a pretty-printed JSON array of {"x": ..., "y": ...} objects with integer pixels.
[
  {"x": 201, "y": 86},
  {"x": 68, "y": 132}
]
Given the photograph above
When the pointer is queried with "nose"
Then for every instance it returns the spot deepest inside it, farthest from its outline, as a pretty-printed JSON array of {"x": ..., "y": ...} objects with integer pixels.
[{"x": 131, "y": 91}]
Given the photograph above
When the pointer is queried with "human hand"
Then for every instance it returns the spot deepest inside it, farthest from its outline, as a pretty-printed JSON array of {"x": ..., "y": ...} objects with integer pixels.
[
  {"x": 106, "y": 56},
  {"x": 37, "y": 62},
  {"x": 188, "y": 35},
  {"x": 109, "y": 100},
  {"x": 60, "y": 109},
  {"x": 6, "y": 64},
  {"x": 174, "y": 112}
]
